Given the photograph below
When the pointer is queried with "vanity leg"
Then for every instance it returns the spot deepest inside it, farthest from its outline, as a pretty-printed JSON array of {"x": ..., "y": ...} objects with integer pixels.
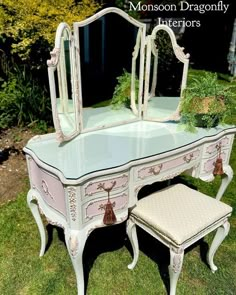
[
  {"x": 35, "y": 211},
  {"x": 132, "y": 235},
  {"x": 226, "y": 179},
  {"x": 75, "y": 241}
]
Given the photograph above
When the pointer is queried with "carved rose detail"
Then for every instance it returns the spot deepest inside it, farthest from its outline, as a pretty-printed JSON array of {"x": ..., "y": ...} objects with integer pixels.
[
  {"x": 72, "y": 202},
  {"x": 177, "y": 259},
  {"x": 73, "y": 242}
]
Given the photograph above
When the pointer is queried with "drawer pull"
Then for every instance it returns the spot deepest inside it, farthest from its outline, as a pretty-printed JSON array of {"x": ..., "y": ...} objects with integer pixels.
[
  {"x": 106, "y": 189},
  {"x": 218, "y": 147},
  {"x": 154, "y": 170},
  {"x": 103, "y": 206},
  {"x": 109, "y": 215},
  {"x": 218, "y": 170},
  {"x": 188, "y": 158}
]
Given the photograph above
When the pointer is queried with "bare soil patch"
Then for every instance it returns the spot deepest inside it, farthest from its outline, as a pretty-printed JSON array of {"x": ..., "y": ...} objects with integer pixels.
[{"x": 13, "y": 169}]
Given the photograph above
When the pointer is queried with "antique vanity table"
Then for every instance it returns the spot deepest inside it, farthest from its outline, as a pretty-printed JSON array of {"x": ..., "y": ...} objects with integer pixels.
[{"x": 99, "y": 158}]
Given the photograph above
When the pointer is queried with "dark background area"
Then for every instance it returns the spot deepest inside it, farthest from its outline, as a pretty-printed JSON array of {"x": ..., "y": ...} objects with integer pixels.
[{"x": 208, "y": 45}]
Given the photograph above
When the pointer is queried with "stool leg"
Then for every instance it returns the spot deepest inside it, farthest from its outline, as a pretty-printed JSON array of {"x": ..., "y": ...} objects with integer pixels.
[
  {"x": 176, "y": 261},
  {"x": 132, "y": 234},
  {"x": 220, "y": 235}
]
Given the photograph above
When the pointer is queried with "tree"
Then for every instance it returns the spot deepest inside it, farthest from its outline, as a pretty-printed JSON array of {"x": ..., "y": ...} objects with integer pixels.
[{"x": 34, "y": 22}]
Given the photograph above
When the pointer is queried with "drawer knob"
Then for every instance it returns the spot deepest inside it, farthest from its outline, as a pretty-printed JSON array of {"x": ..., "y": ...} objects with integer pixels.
[
  {"x": 156, "y": 170},
  {"x": 188, "y": 158}
]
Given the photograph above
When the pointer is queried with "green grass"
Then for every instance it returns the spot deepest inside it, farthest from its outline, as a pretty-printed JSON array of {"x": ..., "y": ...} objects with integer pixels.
[{"x": 106, "y": 256}]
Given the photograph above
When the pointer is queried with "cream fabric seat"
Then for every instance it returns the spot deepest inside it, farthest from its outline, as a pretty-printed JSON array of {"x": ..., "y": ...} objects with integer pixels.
[{"x": 178, "y": 216}]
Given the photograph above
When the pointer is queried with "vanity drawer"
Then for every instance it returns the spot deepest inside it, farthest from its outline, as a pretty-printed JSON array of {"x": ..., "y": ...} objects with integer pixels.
[
  {"x": 48, "y": 185},
  {"x": 208, "y": 165},
  {"x": 161, "y": 167},
  {"x": 96, "y": 208},
  {"x": 118, "y": 182},
  {"x": 211, "y": 149}
]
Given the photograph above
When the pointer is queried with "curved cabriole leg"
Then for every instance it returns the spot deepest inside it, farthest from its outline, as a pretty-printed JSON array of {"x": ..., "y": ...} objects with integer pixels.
[
  {"x": 226, "y": 179},
  {"x": 220, "y": 235},
  {"x": 176, "y": 261},
  {"x": 132, "y": 234},
  {"x": 35, "y": 211},
  {"x": 75, "y": 241}
]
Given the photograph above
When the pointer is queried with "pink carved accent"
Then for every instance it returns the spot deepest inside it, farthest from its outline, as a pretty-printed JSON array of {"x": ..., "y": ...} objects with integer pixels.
[
  {"x": 45, "y": 189},
  {"x": 49, "y": 187},
  {"x": 96, "y": 207},
  {"x": 209, "y": 165},
  {"x": 74, "y": 244},
  {"x": 96, "y": 187},
  {"x": 54, "y": 57},
  {"x": 179, "y": 161},
  {"x": 214, "y": 147}
]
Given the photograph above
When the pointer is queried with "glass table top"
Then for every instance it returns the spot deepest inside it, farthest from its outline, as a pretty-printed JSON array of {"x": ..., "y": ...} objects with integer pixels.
[{"x": 115, "y": 146}]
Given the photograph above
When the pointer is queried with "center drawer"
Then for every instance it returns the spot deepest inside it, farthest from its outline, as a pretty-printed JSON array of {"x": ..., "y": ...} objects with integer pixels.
[
  {"x": 96, "y": 208},
  {"x": 160, "y": 168},
  {"x": 97, "y": 186}
]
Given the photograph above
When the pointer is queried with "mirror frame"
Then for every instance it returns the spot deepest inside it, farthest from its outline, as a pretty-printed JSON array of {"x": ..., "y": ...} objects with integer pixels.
[
  {"x": 53, "y": 65},
  {"x": 140, "y": 47},
  {"x": 180, "y": 55}
]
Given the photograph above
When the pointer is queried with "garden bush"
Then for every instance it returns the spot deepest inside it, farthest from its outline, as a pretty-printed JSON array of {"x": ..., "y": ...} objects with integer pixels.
[
  {"x": 27, "y": 33},
  {"x": 22, "y": 100}
]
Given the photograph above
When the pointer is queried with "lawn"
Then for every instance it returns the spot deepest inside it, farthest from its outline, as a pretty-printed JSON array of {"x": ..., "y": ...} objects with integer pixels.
[{"x": 106, "y": 256}]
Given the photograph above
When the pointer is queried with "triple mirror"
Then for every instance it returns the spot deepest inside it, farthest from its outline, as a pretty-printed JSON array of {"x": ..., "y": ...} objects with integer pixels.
[{"x": 108, "y": 72}]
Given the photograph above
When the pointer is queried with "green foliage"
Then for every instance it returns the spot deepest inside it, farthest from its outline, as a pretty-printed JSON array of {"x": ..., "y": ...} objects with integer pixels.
[
  {"x": 22, "y": 100},
  {"x": 207, "y": 102},
  {"x": 34, "y": 22},
  {"x": 122, "y": 4},
  {"x": 27, "y": 33},
  {"x": 121, "y": 95}
]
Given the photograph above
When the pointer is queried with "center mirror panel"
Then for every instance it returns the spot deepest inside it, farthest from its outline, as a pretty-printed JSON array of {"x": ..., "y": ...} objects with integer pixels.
[
  {"x": 110, "y": 65},
  {"x": 166, "y": 74}
]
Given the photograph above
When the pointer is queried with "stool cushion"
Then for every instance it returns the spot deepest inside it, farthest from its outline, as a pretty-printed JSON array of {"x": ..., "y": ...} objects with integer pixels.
[{"x": 179, "y": 213}]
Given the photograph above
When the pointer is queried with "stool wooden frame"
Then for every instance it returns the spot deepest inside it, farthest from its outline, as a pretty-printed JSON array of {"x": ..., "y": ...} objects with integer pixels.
[{"x": 177, "y": 251}]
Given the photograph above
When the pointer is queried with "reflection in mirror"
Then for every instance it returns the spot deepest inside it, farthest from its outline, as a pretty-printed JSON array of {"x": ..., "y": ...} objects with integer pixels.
[
  {"x": 61, "y": 87},
  {"x": 166, "y": 75},
  {"x": 109, "y": 50}
]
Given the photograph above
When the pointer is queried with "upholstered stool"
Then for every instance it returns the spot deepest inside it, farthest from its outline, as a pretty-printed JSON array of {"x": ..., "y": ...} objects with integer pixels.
[{"x": 178, "y": 217}]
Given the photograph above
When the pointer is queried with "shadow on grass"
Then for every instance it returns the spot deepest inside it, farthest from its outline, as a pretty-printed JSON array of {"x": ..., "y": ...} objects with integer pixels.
[
  {"x": 102, "y": 240},
  {"x": 112, "y": 238},
  {"x": 60, "y": 233},
  {"x": 154, "y": 249}
]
